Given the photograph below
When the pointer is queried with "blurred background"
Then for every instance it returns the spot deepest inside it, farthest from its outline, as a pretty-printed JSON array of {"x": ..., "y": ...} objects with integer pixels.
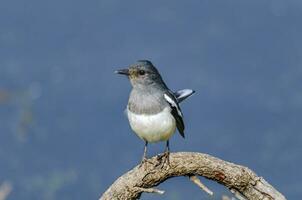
[{"x": 63, "y": 132}]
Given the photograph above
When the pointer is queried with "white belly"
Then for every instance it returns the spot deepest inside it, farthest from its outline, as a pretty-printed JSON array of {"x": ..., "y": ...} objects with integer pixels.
[{"x": 153, "y": 128}]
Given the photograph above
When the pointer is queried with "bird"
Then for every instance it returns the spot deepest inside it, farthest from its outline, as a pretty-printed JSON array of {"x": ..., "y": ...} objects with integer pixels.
[{"x": 153, "y": 110}]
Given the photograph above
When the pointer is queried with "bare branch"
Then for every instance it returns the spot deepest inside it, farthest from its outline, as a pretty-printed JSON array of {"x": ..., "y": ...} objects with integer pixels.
[{"x": 235, "y": 177}]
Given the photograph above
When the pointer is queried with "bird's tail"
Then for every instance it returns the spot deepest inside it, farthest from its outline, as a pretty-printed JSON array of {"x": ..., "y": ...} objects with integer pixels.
[{"x": 183, "y": 94}]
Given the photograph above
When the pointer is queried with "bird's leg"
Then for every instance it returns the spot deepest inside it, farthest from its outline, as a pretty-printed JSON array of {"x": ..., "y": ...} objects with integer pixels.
[
  {"x": 144, "y": 159},
  {"x": 167, "y": 153},
  {"x": 145, "y": 152},
  {"x": 164, "y": 156}
]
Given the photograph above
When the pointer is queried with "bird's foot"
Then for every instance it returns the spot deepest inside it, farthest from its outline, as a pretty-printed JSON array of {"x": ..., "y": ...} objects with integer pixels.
[
  {"x": 163, "y": 159},
  {"x": 144, "y": 162}
]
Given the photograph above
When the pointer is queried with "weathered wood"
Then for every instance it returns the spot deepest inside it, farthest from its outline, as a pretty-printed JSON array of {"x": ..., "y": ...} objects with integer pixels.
[{"x": 239, "y": 179}]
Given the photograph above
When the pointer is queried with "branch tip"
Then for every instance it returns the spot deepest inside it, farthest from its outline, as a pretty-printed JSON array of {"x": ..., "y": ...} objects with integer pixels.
[
  {"x": 152, "y": 190},
  {"x": 197, "y": 181}
]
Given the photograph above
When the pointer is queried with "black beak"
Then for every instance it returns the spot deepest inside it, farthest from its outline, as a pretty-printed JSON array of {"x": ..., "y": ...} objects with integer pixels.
[{"x": 122, "y": 71}]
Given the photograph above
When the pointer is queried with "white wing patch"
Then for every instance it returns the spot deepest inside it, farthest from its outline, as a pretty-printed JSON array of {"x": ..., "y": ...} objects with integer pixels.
[{"x": 173, "y": 104}]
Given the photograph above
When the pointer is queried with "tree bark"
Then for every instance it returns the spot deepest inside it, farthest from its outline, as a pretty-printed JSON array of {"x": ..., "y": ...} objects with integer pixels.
[{"x": 243, "y": 182}]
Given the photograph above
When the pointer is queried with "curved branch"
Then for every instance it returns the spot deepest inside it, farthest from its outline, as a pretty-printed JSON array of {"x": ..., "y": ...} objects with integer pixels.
[{"x": 239, "y": 179}]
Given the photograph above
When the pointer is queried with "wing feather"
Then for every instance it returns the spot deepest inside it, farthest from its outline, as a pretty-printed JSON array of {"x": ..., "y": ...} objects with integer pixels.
[{"x": 176, "y": 112}]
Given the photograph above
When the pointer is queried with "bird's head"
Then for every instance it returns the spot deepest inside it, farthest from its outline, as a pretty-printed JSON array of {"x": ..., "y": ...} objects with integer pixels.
[{"x": 142, "y": 73}]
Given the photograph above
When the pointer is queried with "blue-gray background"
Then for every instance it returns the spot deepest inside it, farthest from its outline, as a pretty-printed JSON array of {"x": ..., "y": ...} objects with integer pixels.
[{"x": 63, "y": 134}]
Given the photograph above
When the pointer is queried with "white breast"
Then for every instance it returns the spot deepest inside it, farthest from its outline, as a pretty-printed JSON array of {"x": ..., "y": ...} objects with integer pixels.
[{"x": 153, "y": 128}]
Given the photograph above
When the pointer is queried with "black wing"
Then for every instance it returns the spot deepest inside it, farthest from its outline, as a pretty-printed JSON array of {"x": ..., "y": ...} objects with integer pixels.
[{"x": 175, "y": 111}]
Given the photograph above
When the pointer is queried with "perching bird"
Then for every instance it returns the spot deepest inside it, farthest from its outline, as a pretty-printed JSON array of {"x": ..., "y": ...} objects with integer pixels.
[{"x": 153, "y": 111}]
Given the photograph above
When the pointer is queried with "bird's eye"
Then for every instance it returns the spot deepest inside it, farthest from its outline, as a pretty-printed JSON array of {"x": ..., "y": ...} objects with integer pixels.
[{"x": 141, "y": 72}]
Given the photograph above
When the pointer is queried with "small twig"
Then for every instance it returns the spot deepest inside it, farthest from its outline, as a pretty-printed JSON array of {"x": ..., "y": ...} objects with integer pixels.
[
  {"x": 238, "y": 195},
  {"x": 152, "y": 190},
  {"x": 224, "y": 197},
  {"x": 197, "y": 181}
]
